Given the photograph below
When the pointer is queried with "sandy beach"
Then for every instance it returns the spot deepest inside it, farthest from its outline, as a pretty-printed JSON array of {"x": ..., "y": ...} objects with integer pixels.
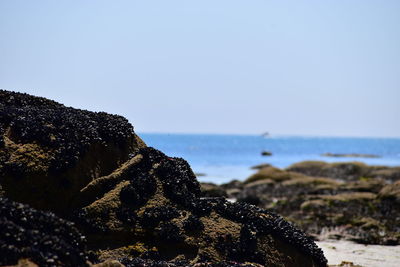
[{"x": 364, "y": 255}]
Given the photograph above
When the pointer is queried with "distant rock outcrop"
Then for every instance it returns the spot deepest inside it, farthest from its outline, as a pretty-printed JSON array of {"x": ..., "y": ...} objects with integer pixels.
[
  {"x": 391, "y": 192},
  {"x": 134, "y": 204},
  {"x": 350, "y": 155},
  {"x": 330, "y": 200},
  {"x": 266, "y": 153},
  {"x": 346, "y": 171}
]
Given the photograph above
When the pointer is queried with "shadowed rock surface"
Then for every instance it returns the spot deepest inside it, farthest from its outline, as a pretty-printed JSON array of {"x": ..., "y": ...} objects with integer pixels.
[{"x": 133, "y": 203}]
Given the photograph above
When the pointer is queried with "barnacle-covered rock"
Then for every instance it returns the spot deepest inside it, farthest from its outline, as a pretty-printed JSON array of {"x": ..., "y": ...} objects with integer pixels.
[
  {"x": 154, "y": 211},
  {"x": 39, "y": 236},
  {"x": 133, "y": 203},
  {"x": 48, "y": 152}
]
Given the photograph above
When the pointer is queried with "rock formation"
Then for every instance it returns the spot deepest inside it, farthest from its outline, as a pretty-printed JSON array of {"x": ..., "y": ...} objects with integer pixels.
[
  {"x": 135, "y": 205},
  {"x": 346, "y": 171},
  {"x": 330, "y": 200},
  {"x": 154, "y": 206},
  {"x": 50, "y": 152}
]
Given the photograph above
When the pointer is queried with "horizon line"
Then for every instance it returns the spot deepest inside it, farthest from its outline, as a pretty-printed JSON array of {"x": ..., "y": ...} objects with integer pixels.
[{"x": 278, "y": 135}]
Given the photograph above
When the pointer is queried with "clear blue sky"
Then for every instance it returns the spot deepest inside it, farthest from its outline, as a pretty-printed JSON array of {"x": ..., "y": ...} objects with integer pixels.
[{"x": 212, "y": 66}]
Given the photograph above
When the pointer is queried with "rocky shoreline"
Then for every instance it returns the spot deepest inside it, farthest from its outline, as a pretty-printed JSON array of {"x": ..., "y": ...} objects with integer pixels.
[
  {"x": 351, "y": 155},
  {"x": 343, "y": 201},
  {"x": 80, "y": 188}
]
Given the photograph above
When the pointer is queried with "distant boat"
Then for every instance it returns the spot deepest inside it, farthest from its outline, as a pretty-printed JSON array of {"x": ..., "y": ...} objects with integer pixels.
[{"x": 266, "y": 134}]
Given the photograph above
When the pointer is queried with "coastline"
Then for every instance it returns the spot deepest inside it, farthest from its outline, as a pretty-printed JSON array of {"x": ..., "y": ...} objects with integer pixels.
[
  {"x": 223, "y": 158},
  {"x": 86, "y": 173},
  {"x": 346, "y": 200}
]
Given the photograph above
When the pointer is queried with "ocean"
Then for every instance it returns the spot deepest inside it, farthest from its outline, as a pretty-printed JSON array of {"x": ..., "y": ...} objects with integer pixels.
[{"x": 222, "y": 158}]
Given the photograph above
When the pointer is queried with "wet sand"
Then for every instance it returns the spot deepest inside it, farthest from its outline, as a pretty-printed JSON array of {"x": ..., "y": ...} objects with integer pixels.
[{"x": 365, "y": 255}]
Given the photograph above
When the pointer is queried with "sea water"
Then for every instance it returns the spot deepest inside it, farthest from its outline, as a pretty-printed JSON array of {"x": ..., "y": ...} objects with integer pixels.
[{"x": 222, "y": 158}]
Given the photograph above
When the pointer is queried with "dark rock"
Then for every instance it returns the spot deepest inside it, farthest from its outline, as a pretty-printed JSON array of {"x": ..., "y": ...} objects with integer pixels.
[
  {"x": 181, "y": 224},
  {"x": 212, "y": 190},
  {"x": 346, "y": 170},
  {"x": 338, "y": 170},
  {"x": 40, "y": 236},
  {"x": 193, "y": 224},
  {"x": 140, "y": 262},
  {"x": 49, "y": 152},
  {"x": 351, "y": 155},
  {"x": 389, "y": 174},
  {"x": 266, "y": 153},
  {"x": 322, "y": 205},
  {"x": 391, "y": 192},
  {"x": 273, "y": 174},
  {"x": 153, "y": 216},
  {"x": 260, "y": 166},
  {"x": 232, "y": 188}
]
